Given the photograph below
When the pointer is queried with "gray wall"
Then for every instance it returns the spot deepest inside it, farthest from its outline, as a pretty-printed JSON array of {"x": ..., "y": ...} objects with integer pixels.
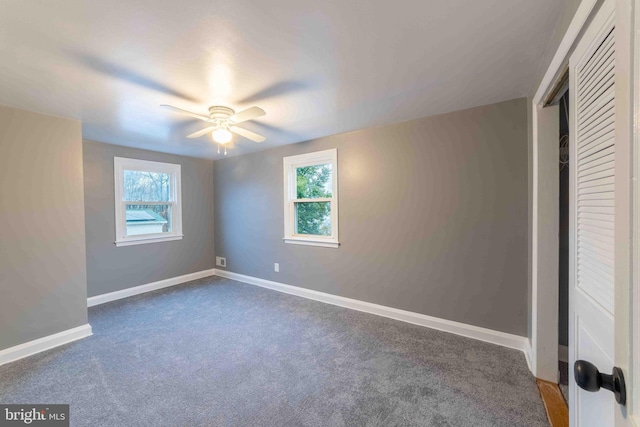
[
  {"x": 433, "y": 217},
  {"x": 110, "y": 268},
  {"x": 42, "y": 253}
]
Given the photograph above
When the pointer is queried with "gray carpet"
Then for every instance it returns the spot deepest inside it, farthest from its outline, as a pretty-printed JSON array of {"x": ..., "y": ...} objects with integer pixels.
[{"x": 216, "y": 352}]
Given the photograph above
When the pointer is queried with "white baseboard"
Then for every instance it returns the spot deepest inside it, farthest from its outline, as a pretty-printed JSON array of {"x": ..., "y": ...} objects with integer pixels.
[
  {"x": 488, "y": 335},
  {"x": 124, "y": 293},
  {"x": 528, "y": 354},
  {"x": 563, "y": 353},
  {"x": 41, "y": 344}
]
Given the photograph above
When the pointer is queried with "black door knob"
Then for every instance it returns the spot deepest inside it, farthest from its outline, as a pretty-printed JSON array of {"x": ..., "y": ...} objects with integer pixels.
[{"x": 589, "y": 378}]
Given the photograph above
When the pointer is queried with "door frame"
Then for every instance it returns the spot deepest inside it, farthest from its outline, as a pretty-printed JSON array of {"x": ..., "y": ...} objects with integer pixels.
[
  {"x": 545, "y": 204},
  {"x": 544, "y": 246},
  {"x": 634, "y": 134}
]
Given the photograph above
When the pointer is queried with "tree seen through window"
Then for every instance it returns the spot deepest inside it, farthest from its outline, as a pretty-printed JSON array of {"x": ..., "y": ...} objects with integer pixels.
[
  {"x": 313, "y": 217},
  {"x": 142, "y": 186}
]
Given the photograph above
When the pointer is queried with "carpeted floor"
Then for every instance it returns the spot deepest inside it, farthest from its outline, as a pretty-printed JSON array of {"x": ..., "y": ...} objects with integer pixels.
[{"x": 216, "y": 352}]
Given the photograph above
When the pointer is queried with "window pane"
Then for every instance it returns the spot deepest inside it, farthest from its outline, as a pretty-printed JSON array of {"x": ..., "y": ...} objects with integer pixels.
[
  {"x": 314, "y": 181},
  {"x": 148, "y": 219},
  {"x": 146, "y": 186},
  {"x": 313, "y": 218}
]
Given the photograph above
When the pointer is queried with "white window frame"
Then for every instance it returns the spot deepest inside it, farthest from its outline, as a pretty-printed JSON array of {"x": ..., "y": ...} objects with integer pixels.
[
  {"x": 120, "y": 164},
  {"x": 290, "y": 164}
]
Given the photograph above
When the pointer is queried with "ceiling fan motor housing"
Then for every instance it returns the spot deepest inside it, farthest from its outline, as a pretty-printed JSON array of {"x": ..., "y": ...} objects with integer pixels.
[
  {"x": 220, "y": 112},
  {"x": 220, "y": 116}
]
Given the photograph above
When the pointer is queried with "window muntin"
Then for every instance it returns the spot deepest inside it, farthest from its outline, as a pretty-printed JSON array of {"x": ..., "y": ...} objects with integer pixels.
[
  {"x": 311, "y": 199},
  {"x": 148, "y": 205}
]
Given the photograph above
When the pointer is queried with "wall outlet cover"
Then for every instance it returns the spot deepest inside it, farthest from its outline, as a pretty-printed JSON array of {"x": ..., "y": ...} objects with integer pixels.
[
  {"x": 221, "y": 262},
  {"x": 276, "y": 267}
]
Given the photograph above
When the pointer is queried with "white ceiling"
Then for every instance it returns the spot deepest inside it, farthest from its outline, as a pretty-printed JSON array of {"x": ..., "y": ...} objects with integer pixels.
[{"x": 316, "y": 67}]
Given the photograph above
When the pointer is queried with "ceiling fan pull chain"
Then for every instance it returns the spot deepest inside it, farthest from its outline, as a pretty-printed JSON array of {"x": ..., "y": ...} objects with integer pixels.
[
  {"x": 225, "y": 150},
  {"x": 218, "y": 148}
]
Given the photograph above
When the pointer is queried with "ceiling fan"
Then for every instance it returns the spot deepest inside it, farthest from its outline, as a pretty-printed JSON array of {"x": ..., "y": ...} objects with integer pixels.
[{"x": 224, "y": 121}]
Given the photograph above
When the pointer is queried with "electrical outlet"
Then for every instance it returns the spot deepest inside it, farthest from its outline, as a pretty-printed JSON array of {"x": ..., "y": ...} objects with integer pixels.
[
  {"x": 221, "y": 262},
  {"x": 276, "y": 267}
]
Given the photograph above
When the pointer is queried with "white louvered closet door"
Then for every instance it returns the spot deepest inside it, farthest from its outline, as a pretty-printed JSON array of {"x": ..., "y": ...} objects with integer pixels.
[{"x": 592, "y": 220}]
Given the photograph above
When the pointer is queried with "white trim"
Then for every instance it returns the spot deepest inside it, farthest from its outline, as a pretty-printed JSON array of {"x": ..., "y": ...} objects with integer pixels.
[
  {"x": 634, "y": 363},
  {"x": 528, "y": 354},
  {"x": 120, "y": 164},
  {"x": 290, "y": 164},
  {"x": 534, "y": 243},
  {"x": 148, "y": 240},
  {"x": 561, "y": 57},
  {"x": 539, "y": 296},
  {"x": 563, "y": 353},
  {"x": 483, "y": 334},
  {"x": 308, "y": 242},
  {"x": 125, "y": 293},
  {"x": 30, "y": 348}
]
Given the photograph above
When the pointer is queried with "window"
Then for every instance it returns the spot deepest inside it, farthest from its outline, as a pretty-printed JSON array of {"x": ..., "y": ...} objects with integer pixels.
[
  {"x": 311, "y": 199},
  {"x": 148, "y": 204}
]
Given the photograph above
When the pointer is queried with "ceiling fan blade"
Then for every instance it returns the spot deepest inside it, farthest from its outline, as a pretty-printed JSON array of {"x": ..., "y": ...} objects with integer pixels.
[
  {"x": 248, "y": 114},
  {"x": 201, "y": 132},
  {"x": 185, "y": 112},
  {"x": 247, "y": 134}
]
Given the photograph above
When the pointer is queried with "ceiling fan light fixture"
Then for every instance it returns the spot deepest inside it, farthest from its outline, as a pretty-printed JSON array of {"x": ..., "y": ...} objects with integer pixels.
[{"x": 221, "y": 136}]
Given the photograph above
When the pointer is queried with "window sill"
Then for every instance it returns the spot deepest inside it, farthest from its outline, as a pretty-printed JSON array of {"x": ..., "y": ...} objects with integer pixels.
[
  {"x": 132, "y": 242},
  {"x": 308, "y": 242}
]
